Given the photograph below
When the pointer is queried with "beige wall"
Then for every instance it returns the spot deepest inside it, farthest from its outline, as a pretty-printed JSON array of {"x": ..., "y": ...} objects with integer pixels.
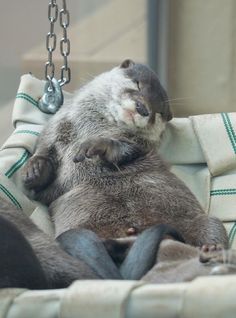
[
  {"x": 202, "y": 65},
  {"x": 98, "y": 42},
  {"x": 24, "y": 24},
  {"x": 202, "y": 46}
]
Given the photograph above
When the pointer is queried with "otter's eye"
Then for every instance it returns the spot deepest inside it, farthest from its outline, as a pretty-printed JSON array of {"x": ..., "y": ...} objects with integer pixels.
[{"x": 141, "y": 109}]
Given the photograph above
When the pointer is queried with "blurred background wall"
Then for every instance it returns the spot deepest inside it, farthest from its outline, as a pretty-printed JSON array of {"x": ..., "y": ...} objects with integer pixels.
[
  {"x": 193, "y": 41},
  {"x": 23, "y": 25},
  {"x": 202, "y": 55}
]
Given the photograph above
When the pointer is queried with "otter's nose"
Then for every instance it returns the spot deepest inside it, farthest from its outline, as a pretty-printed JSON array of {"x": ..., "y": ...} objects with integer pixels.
[{"x": 141, "y": 109}]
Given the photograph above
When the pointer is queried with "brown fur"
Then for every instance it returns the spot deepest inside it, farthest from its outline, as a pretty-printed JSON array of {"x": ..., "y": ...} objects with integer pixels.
[{"x": 64, "y": 132}]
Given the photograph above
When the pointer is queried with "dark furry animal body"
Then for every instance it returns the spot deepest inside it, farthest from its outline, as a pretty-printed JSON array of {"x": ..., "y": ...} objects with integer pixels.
[
  {"x": 19, "y": 266},
  {"x": 43, "y": 259},
  {"x": 97, "y": 168}
]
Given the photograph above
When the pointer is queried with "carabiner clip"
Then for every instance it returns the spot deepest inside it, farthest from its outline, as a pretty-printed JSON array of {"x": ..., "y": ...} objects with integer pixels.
[{"x": 52, "y": 98}]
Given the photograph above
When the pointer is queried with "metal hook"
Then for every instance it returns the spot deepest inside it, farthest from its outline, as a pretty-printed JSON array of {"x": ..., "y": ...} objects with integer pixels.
[{"x": 52, "y": 98}]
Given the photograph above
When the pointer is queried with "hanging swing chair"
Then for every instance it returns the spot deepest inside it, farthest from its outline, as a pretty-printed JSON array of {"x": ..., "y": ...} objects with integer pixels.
[{"x": 190, "y": 144}]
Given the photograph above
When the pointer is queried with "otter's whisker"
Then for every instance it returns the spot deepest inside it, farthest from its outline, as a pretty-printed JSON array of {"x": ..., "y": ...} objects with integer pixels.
[
  {"x": 224, "y": 256},
  {"x": 178, "y": 98},
  {"x": 115, "y": 165}
]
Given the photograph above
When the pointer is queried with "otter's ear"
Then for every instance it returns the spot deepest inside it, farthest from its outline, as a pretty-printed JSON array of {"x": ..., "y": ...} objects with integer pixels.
[{"x": 127, "y": 63}]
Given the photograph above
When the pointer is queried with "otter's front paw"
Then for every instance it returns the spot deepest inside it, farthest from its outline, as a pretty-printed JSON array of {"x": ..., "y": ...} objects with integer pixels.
[
  {"x": 38, "y": 173},
  {"x": 101, "y": 147}
]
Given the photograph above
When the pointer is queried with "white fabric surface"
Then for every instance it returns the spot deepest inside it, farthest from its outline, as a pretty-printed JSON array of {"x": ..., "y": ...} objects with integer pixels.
[{"x": 205, "y": 297}]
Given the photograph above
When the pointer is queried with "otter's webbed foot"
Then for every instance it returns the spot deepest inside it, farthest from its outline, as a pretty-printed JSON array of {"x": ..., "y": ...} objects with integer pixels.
[
  {"x": 38, "y": 173},
  {"x": 109, "y": 150},
  {"x": 221, "y": 261},
  {"x": 211, "y": 253}
]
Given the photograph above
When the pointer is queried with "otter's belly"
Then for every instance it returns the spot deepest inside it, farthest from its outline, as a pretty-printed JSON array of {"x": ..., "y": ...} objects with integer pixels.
[
  {"x": 109, "y": 214},
  {"x": 119, "y": 207}
]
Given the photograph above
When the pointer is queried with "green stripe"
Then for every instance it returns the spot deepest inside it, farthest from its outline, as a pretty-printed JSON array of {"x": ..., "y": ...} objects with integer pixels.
[
  {"x": 28, "y": 98},
  {"x": 232, "y": 229},
  {"x": 18, "y": 164},
  {"x": 232, "y": 234},
  {"x": 31, "y": 132},
  {"x": 10, "y": 196},
  {"x": 230, "y": 130},
  {"x": 223, "y": 192}
]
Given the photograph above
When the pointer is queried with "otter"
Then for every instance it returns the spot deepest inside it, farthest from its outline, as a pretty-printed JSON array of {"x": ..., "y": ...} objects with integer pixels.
[
  {"x": 109, "y": 193},
  {"x": 97, "y": 167}
]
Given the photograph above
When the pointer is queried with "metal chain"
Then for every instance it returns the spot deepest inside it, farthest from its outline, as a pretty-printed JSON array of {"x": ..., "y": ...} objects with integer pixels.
[
  {"x": 65, "y": 44},
  {"x": 52, "y": 98},
  {"x": 51, "y": 41}
]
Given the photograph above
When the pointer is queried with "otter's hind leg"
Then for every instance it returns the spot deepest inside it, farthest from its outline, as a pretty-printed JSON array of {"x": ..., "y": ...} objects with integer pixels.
[
  {"x": 19, "y": 266},
  {"x": 204, "y": 230}
]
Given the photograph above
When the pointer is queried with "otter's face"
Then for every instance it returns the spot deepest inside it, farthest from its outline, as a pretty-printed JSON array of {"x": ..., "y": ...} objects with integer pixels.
[{"x": 137, "y": 97}]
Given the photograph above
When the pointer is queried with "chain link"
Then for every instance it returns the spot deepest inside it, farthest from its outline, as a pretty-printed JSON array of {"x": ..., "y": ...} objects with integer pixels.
[
  {"x": 65, "y": 44},
  {"x": 51, "y": 42},
  {"x": 51, "y": 39}
]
